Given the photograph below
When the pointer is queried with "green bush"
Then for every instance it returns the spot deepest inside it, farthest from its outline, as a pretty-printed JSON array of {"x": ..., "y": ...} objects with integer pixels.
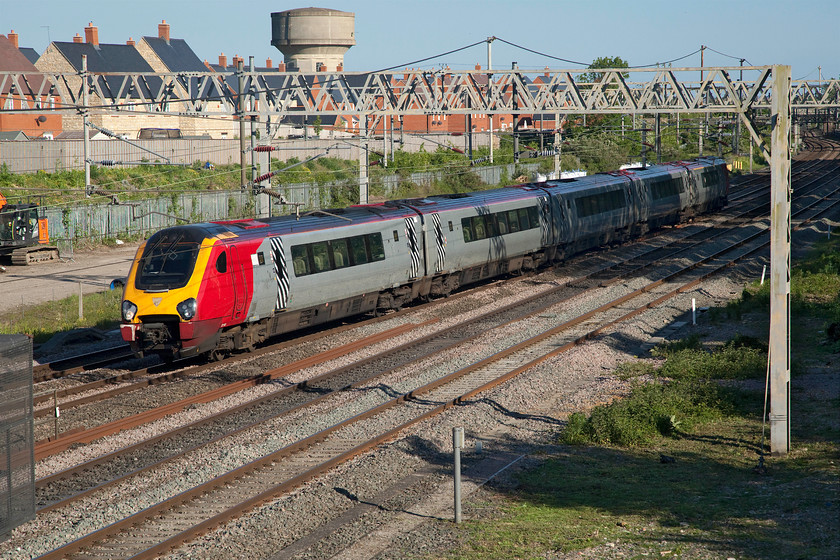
[{"x": 660, "y": 408}]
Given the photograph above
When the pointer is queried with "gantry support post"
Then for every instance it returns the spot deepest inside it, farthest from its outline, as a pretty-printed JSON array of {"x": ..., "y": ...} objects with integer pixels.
[
  {"x": 780, "y": 192},
  {"x": 364, "y": 146}
]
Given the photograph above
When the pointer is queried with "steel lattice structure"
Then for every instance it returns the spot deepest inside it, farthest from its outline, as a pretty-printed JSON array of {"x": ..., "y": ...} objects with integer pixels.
[{"x": 418, "y": 92}]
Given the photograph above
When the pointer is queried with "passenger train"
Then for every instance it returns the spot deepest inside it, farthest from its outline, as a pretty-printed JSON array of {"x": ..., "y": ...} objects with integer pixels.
[{"x": 220, "y": 287}]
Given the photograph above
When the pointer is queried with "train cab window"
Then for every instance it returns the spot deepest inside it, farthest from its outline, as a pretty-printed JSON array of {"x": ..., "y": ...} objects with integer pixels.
[
  {"x": 358, "y": 250},
  {"x": 221, "y": 262},
  {"x": 260, "y": 258},
  {"x": 377, "y": 248},
  {"x": 300, "y": 260},
  {"x": 341, "y": 256},
  {"x": 320, "y": 257}
]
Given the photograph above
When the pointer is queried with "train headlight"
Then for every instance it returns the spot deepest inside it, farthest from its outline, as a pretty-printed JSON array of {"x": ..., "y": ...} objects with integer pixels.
[
  {"x": 186, "y": 309},
  {"x": 129, "y": 310}
]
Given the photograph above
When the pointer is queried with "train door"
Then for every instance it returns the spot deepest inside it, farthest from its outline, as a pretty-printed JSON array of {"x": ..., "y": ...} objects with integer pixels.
[{"x": 240, "y": 284}]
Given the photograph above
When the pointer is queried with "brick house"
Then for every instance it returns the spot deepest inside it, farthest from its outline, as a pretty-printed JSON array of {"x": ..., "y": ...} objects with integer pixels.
[
  {"x": 165, "y": 54},
  {"x": 33, "y": 125},
  {"x": 66, "y": 57}
]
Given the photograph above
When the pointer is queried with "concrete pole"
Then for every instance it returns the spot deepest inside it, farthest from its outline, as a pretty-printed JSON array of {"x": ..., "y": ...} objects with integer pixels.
[
  {"x": 243, "y": 161},
  {"x": 780, "y": 262},
  {"x": 252, "y": 118},
  {"x": 557, "y": 145},
  {"x": 391, "y": 121},
  {"x": 363, "y": 160},
  {"x": 85, "y": 127},
  {"x": 514, "y": 66},
  {"x": 385, "y": 141},
  {"x": 658, "y": 126}
]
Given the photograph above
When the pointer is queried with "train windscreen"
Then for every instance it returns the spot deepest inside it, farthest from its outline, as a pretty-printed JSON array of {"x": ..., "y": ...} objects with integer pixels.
[{"x": 168, "y": 259}]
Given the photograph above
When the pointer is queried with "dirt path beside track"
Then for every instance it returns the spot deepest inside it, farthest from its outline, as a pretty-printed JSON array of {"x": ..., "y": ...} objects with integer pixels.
[{"x": 94, "y": 269}]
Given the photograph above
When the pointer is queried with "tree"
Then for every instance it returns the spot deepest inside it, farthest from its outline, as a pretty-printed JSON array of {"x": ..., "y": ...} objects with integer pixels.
[{"x": 603, "y": 62}]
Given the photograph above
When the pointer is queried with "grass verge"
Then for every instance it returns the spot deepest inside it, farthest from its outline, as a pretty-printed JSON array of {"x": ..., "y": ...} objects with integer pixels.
[
  {"x": 43, "y": 320},
  {"x": 678, "y": 469}
]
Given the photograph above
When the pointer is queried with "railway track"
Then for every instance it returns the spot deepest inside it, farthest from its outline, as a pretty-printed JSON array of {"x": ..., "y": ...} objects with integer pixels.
[
  {"x": 94, "y": 391},
  {"x": 629, "y": 266},
  {"x": 432, "y": 398}
]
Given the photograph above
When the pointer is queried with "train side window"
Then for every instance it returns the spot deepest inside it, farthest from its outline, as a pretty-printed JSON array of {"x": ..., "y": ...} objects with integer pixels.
[
  {"x": 396, "y": 235},
  {"x": 377, "y": 248},
  {"x": 300, "y": 260},
  {"x": 490, "y": 222},
  {"x": 533, "y": 217},
  {"x": 221, "y": 262},
  {"x": 524, "y": 221},
  {"x": 512, "y": 221},
  {"x": 478, "y": 227},
  {"x": 341, "y": 256},
  {"x": 320, "y": 257},
  {"x": 501, "y": 221},
  {"x": 466, "y": 228},
  {"x": 358, "y": 250},
  {"x": 450, "y": 226}
]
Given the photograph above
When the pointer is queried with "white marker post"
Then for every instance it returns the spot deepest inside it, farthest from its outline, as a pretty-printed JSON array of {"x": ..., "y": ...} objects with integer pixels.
[{"x": 457, "y": 444}]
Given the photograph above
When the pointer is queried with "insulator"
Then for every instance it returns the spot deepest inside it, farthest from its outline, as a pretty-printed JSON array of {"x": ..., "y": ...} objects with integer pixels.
[
  {"x": 264, "y": 149},
  {"x": 262, "y": 178},
  {"x": 108, "y": 163}
]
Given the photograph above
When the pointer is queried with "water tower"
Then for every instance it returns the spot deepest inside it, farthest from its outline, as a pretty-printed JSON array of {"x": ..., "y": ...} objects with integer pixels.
[{"x": 311, "y": 37}]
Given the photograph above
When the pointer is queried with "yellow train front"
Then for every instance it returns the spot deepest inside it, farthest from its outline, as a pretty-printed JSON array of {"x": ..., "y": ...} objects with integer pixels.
[{"x": 177, "y": 296}]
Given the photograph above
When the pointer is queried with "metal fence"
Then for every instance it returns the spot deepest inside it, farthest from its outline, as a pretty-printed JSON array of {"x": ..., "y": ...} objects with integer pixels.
[
  {"x": 138, "y": 218},
  {"x": 53, "y": 156},
  {"x": 17, "y": 446}
]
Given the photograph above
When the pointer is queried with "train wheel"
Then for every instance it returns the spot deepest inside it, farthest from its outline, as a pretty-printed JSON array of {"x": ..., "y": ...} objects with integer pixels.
[{"x": 217, "y": 355}]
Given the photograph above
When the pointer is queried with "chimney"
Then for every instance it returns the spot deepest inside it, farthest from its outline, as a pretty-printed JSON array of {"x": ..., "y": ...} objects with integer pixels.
[
  {"x": 92, "y": 35},
  {"x": 13, "y": 38},
  {"x": 339, "y": 68},
  {"x": 478, "y": 66},
  {"x": 546, "y": 72},
  {"x": 281, "y": 67},
  {"x": 223, "y": 60},
  {"x": 78, "y": 39},
  {"x": 163, "y": 31},
  {"x": 130, "y": 42},
  {"x": 268, "y": 63},
  {"x": 322, "y": 67}
]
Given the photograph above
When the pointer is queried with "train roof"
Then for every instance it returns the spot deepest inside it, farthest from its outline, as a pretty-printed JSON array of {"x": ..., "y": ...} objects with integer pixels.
[
  {"x": 310, "y": 221},
  {"x": 458, "y": 201}
]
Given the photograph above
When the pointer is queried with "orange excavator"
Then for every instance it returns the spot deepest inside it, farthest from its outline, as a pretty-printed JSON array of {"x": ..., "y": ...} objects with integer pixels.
[{"x": 24, "y": 234}]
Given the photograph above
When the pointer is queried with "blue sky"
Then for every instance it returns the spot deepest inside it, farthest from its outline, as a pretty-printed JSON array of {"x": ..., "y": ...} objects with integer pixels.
[{"x": 801, "y": 33}]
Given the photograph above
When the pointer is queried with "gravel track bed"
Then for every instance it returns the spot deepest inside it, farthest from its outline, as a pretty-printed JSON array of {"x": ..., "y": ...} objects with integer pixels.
[{"x": 198, "y": 467}]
